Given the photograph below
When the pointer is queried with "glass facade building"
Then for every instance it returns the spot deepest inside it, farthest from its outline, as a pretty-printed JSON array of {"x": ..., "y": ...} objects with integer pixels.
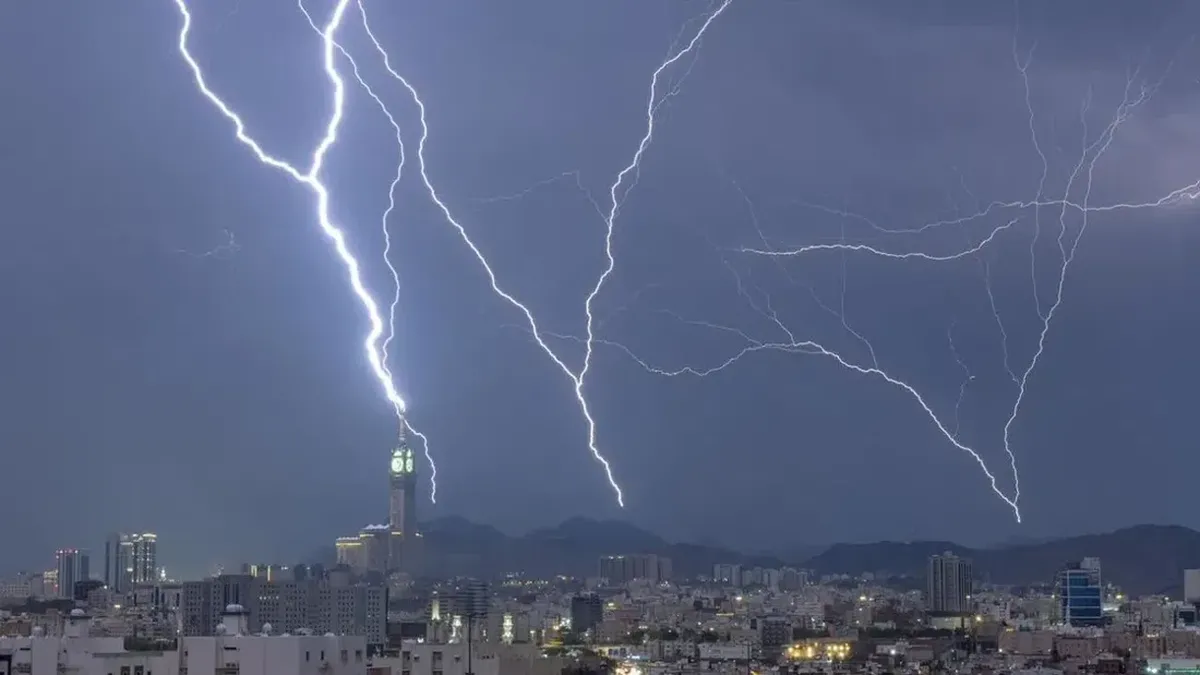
[{"x": 1080, "y": 595}]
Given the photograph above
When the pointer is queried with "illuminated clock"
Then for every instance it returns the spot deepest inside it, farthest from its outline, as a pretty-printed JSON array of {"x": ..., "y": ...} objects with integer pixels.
[
  {"x": 408, "y": 466},
  {"x": 398, "y": 463}
]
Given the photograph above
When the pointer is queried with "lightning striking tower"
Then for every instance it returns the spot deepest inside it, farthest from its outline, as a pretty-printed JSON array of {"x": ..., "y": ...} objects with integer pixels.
[
  {"x": 402, "y": 505},
  {"x": 619, "y": 190},
  {"x": 310, "y": 177}
]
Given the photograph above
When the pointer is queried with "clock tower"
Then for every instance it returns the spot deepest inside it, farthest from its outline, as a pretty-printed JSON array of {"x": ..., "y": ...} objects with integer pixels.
[{"x": 402, "y": 498}]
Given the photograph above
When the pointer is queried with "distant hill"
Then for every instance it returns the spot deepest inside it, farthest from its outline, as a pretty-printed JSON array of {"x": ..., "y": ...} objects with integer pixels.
[
  {"x": 1140, "y": 559},
  {"x": 455, "y": 546}
]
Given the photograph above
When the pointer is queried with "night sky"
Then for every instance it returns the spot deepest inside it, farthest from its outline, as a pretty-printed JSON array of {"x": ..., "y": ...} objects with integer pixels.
[{"x": 180, "y": 351}]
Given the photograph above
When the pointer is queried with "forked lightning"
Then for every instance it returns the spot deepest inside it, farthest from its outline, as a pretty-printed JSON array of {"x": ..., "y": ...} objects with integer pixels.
[
  {"x": 311, "y": 178},
  {"x": 1075, "y": 200},
  {"x": 376, "y": 352},
  {"x": 1074, "y": 203}
]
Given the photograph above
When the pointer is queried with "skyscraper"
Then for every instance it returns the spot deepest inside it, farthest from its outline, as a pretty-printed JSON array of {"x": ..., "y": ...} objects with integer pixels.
[
  {"x": 402, "y": 500},
  {"x": 394, "y": 545},
  {"x": 72, "y": 564},
  {"x": 144, "y": 558},
  {"x": 112, "y": 564},
  {"x": 130, "y": 559},
  {"x": 949, "y": 584}
]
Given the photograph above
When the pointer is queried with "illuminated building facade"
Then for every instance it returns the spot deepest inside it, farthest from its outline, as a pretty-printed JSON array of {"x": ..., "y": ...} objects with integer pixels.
[
  {"x": 820, "y": 649},
  {"x": 402, "y": 505},
  {"x": 394, "y": 546},
  {"x": 350, "y": 552},
  {"x": 130, "y": 559},
  {"x": 144, "y": 558}
]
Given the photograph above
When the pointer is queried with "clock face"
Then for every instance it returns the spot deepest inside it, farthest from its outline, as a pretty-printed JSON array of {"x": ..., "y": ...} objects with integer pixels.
[{"x": 397, "y": 464}]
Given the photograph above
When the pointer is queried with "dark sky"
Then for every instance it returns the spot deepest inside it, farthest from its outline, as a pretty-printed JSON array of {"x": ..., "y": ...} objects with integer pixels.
[{"x": 155, "y": 377}]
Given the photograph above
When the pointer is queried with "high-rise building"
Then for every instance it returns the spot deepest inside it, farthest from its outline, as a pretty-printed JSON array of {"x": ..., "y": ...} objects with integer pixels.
[
  {"x": 395, "y": 545},
  {"x": 1080, "y": 593},
  {"x": 402, "y": 504},
  {"x": 727, "y": 574},
  {"x": 130, "y": 559},
  {"x": 72, "y": 564},
  {"x": 124, "y": 564},
  {"x": 366, "y": 552},
  {"x": 144, "y": 558},
  {"x": 949, "y": 584},
  {"x": 620, "y": 569},
  {"x": 350, "y": 552},
  {"x": 118, "y": 562},
  {"x": 587, "y": 611},
  {"x": 112, "y": 578},
  {"x": 472, "y": 599},
  {"x": 792, "y": 579}
]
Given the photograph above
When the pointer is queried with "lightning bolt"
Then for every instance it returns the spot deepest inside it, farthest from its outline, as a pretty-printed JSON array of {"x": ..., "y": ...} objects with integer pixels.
[
  {"x": 967, "y": 377},
  {"x": 376, "y": 351},
  {"x": 1074, "y": 201},
  {"x": 387, "y": 240},
  {"x": 310, "y": 177},
  {"x": 617, "y": 193}
]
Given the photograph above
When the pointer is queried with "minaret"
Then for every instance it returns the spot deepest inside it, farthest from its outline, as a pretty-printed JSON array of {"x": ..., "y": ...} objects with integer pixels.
[{"x": 402, "y": 498}]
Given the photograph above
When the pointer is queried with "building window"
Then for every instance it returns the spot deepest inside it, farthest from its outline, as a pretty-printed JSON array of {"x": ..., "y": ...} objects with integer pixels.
[
  {"x": 307, "y": 656},
  {"x": 322, "y": 654},
  {"x": 124, "y": 670},
  {"x": 358, "y": 656},
  {"x": 345, "y": 655}
]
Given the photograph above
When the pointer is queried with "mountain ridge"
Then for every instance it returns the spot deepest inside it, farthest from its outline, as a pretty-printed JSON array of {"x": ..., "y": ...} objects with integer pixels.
[{"x": 1141, "y": 559}]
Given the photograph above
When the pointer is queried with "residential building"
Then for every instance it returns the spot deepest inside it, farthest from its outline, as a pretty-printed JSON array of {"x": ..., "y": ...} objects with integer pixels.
[{"x": 949, "y": 584}]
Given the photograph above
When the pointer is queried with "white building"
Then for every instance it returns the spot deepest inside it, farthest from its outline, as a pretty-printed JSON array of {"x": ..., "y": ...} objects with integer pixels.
[
  {"x": 485, "y": 659},
  {"x": 20, "y": 588},
  {"x": 1191, "y": 585},
  {"x": 728, "y": 574},
  {"x": 77, "y": 653}
]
